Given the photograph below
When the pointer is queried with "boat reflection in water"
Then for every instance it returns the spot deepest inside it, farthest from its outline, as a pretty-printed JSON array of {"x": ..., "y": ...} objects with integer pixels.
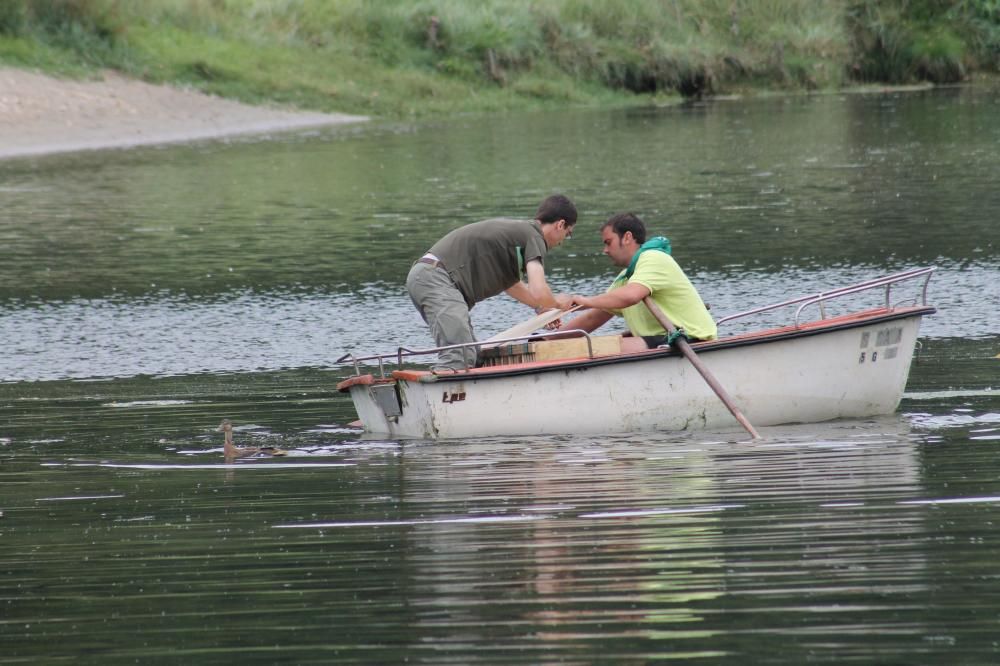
[{"x": 656, "y": 539}]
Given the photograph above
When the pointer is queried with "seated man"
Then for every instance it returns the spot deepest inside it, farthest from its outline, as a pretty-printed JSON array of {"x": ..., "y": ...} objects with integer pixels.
[{"x": 648, "y": 269}]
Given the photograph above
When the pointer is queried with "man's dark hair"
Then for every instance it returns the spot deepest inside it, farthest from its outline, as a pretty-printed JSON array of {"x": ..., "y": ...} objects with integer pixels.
[
  {"x": 555, "y": 208},
  {"x": 622, "y": 222}
]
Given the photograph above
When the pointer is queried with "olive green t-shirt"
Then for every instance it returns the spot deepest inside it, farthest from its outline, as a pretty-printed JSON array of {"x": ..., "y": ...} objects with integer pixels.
[{"x": 488, "y": 257}]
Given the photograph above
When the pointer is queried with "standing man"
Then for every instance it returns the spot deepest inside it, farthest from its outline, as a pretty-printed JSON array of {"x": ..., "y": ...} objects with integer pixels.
[
  {"x": 480, "y": 260},
  {"x": 648, "y": 269}
]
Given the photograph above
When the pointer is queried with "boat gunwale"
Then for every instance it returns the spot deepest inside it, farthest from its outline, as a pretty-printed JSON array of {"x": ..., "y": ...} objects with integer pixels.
[
  {"x": 886, "y": 281},
  {"x": 767, "y": 336}
]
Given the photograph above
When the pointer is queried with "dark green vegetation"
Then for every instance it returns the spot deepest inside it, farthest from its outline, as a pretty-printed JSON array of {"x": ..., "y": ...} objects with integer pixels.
[{"x": 394, "y": 58}]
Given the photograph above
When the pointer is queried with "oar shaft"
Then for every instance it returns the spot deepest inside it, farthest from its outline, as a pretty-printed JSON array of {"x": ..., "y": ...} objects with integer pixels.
[{"x": 710, "y": 379}]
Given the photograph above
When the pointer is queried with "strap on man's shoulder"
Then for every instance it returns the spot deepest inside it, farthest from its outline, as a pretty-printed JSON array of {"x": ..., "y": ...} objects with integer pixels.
[{"x": 661, "y": 243}]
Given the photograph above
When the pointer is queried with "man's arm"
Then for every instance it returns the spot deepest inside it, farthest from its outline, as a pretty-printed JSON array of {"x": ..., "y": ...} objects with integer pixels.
[
  {"x": 536, "y": 292},
  {"x": 616, "y": 299},
  {"x": 597, "y": 316},
  {"x": 588, "y": 321},
  {"x": 520, "y": 293}
]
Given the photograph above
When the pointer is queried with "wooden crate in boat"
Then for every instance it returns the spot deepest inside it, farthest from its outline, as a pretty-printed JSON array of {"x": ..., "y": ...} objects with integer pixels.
[
  {"x": 507, "y": 354},
  {"x": 550, "y": 350}
]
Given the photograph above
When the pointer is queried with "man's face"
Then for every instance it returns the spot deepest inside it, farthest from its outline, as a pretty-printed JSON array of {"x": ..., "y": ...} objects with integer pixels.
[
  {"x": 617, "y": 248},
  {"x": 556, "y": 232},
  {"x": 565, "y": 232}
]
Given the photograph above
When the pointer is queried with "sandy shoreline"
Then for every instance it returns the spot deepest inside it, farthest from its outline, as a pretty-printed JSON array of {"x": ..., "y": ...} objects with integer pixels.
[{"x": 41, "y": 115}]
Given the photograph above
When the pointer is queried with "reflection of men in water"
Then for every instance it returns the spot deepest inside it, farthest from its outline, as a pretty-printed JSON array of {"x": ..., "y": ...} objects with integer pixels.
[
  {"x": 480, "y": 260},
  {"x": 648, "y": 270}
]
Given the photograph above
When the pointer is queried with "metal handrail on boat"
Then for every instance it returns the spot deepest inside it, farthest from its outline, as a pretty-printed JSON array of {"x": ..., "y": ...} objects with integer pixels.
[
  {"x": 404, "y": 351},
  {"x": 821, "y": 298}
]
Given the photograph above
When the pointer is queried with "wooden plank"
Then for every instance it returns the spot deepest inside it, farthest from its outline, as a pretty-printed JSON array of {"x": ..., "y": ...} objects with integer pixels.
[{"x": 532, "y": 325}]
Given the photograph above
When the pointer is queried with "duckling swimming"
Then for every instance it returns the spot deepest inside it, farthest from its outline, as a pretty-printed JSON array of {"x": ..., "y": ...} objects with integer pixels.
[{"x": 231, "y": 451}]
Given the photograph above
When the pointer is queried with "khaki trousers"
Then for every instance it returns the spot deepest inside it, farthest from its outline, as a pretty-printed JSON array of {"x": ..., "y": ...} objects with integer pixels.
[{"x": 443, "y": 308}]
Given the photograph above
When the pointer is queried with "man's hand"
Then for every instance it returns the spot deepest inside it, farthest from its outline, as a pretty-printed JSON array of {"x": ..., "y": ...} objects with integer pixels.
[
  {"x": 616, "y": 299},
  {"x": 564, "y": 301}
]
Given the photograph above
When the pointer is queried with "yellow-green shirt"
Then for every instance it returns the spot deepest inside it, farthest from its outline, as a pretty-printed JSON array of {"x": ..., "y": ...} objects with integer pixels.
[{"x": 672, "y": 291}]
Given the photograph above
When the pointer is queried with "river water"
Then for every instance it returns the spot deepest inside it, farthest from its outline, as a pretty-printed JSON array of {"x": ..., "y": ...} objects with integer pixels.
[{"x": 147, "y": 294}]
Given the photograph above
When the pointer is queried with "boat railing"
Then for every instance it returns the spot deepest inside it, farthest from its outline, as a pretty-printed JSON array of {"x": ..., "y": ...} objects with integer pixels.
[
  {"x": 887, "y": 282},
  {"x": 406, "y": 352}
]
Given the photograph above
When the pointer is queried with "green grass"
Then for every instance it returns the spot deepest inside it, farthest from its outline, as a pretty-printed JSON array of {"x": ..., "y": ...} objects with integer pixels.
[{"x": 404, "y": 58}]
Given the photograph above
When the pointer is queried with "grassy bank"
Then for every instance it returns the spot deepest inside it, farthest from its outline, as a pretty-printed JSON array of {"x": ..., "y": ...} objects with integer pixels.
[{"x": 396, "y": 58}]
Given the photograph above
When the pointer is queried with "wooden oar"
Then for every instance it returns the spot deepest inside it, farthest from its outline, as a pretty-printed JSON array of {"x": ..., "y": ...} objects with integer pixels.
[{"x": 682, "y": 344}]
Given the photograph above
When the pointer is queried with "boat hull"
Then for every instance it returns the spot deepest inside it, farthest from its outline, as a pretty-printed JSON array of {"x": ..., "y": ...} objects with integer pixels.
[{"x": 854, "y": 366}]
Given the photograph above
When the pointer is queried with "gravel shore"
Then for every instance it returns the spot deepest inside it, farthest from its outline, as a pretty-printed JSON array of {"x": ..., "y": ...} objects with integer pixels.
[{"x": 40, "y": 115}]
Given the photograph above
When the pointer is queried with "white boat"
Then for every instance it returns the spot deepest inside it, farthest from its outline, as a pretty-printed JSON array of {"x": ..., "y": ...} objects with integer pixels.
[{"x": 850, "y": 364}]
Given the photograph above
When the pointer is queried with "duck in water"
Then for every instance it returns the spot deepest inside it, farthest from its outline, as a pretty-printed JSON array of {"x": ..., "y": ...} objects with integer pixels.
[{"x": 231, "y": 451}]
